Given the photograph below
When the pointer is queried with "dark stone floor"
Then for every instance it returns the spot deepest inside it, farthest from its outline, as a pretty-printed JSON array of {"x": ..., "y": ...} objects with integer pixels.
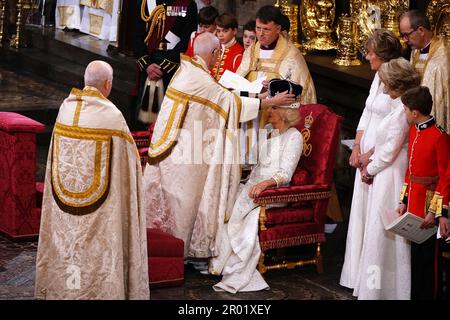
[
  {"x": 17, "y": 273},
  {"x": 30, "y": 96}
]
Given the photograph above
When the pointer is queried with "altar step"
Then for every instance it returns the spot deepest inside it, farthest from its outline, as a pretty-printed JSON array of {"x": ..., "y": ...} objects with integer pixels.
[{"x": 61, "y": 58}]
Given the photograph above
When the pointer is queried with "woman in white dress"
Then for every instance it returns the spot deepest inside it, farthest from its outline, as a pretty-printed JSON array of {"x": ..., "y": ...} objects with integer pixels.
[
  {"x": 385, "y": 266},
  {"x": 278, "y": 157},
  {"x": 381, "y": 47}
]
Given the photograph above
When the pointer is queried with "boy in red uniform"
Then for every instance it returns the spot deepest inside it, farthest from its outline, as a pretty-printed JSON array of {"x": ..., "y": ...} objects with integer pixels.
[
  {"x": 206, "y": 23},
  {"x": 231, "y": 55},
  {"x": 428, "y": 154}
]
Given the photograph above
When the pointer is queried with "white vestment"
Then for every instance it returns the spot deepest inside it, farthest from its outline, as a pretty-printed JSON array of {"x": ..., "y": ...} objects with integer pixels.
[
  {"x": 193, "y": 174},
  {"x": 385, "y": 265},
  {"x": 92, "y": 240},
  {"x": 240, "y": 249},
  {"x": 434, "y": 69},
  {"x": 378, "y": 106},
  {"x": 68, "y": 14},
  {"x": 100, "y": 20}
]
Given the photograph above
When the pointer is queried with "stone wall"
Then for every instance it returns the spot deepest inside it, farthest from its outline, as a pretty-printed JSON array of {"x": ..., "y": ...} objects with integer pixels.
[{"x": 244, "y": 10}]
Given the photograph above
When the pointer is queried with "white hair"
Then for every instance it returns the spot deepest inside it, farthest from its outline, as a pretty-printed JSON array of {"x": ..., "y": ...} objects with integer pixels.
[
  {"x": 205, "y": 43},
  {"x": 97, "y": 72}
]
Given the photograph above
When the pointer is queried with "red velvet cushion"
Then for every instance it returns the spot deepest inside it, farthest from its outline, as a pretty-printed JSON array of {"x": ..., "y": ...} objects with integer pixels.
[
  {"x": 165, "y": 271},
  {"x": 161, "y": 244},
  {"x": 276, "y": 216},
  {"x": 14, "y": 122}
]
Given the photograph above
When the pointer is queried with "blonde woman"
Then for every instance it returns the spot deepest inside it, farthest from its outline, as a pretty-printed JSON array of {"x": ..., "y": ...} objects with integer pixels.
[
  {"x": 385, "y": 266},
  {"x": 381, "y": 47}
]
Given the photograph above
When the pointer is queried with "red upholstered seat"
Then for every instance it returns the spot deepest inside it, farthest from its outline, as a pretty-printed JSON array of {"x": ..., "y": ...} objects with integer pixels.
[
  {"x": 19, "y": 208},
  {"x": 302, "y": 221},
  {"x": 165, "y": 259},
  {"x": 142, "y": 140},
  {"x": 14, "y": 122}
]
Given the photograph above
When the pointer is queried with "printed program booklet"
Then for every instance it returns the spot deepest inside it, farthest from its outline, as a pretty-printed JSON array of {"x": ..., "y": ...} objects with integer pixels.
[{"x": 406, "y": 225}]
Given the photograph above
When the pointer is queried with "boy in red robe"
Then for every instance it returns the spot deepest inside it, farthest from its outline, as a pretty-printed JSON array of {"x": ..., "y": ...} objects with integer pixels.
[
  {"x": 231, "y": 55},
  {"x": 428, "y": 154},
  {"x": 206, "y": 23}
]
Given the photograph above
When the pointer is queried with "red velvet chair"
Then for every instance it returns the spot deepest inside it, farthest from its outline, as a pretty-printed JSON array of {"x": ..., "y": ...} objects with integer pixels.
[
  {"x": 303, "y": 220},
  {"x": 20, "y": 195}
]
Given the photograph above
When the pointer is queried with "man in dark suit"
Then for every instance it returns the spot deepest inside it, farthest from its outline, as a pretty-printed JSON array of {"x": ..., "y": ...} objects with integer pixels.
[{"x": 162, "y": 33}]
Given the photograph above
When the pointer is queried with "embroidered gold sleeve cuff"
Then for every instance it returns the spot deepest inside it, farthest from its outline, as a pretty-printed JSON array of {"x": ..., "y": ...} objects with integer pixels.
[
  {"x": 168, "y": 66},
  {"x": 436, "y": 205},
  {"x": 404, "y": 194},
  {"x": 143, "y": 62}
]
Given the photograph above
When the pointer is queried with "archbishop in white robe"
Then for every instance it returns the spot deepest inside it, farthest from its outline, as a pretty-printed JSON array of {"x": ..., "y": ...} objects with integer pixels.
[
  {"x": 240, "y": 249},
  {"x": 92, "y": 241},
  {"x": 193, "y": 173}
]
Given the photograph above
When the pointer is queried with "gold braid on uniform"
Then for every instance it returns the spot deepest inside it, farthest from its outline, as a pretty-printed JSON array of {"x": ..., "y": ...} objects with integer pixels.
[{"x": 157, "y": 18}]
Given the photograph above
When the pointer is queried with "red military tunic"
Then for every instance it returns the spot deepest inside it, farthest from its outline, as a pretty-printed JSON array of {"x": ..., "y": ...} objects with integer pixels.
[
  {"x": 229, "y": 60},
  {"x": 190, "y": 50},
  {"x": 428, "y": 154}
]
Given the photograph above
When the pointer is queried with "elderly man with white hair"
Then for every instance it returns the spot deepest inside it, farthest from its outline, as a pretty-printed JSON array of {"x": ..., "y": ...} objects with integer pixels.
[
  {"x": 193, "y": 172},
  {"x": 92, "y": 240}
]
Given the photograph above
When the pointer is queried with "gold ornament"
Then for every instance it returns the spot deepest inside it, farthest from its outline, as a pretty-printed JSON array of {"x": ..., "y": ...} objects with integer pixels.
[
  {"x": 347, "y": 53},
  {"x": 317, "y": 19}
]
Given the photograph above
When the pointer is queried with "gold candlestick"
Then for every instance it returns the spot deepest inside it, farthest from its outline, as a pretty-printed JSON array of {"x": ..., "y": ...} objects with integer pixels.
[
  {"x": 347, "y": 53},
  {"x": 2, "y": 19},
  {"x": 15, "y": 41}
]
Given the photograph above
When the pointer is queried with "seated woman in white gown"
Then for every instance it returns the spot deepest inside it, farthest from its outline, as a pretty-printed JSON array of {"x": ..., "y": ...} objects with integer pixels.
[{"x": 278, "y": 156}]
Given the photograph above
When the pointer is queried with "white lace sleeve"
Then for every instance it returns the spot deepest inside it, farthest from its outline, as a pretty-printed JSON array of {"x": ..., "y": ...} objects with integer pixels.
[{"x": 289, "y": 158}]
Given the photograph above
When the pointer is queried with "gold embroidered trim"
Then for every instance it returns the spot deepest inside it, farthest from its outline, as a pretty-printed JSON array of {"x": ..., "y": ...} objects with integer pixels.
[
  {"x": 76, "y": 117},
  {"x": 153, "y": 155},
  {"x": 291, "y": 241},
  {"x": 95, "y": 24},
  {"x": 294, "y": 197},
  {"x": 175, "y": 94},
  {"x": 61, "y": 191},
  {"x": 87, "y": 93},
  {"x": 91, "y": 133},
  {"x": 169, "y": 124}
]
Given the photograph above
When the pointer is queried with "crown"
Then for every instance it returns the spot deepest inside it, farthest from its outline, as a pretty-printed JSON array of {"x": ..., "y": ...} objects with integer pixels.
[{"x": 309, "y": 120}]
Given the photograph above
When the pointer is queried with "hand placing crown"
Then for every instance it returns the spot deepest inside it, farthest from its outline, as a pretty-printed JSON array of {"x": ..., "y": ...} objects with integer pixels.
[{"x": 278, "y": 86}]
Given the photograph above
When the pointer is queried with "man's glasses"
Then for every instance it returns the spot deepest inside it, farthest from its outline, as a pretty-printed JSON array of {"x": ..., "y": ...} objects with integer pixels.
[
  {"x": 263, "y": 30},
  {"x": 407, "y": 34}
]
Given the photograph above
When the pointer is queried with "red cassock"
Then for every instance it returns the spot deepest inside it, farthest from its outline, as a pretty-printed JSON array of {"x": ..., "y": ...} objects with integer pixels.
[
  {"x": 428, "y": 154},
  {"x": 230, "y": 60}
]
